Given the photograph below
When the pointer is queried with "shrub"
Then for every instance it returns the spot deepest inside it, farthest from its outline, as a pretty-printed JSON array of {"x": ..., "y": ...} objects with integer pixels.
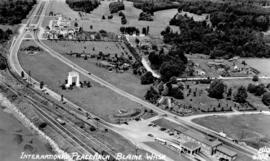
[
  {"x": 147, "y": 78},
  {"x": 266, "y": 98}
]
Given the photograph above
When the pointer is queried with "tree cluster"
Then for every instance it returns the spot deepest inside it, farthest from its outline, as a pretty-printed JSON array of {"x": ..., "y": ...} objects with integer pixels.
[
  {"x": 257, "y": 90},
  {"x": 83, "y": 5},
  {"x": 12, "y": 12},
  {"x": 148, "y": 6},
  {"x": 145, "y": 16},
  {"x": 217, "y": 89},
  {"x": 116, "y": 6},
  {"x": 241, "y": 95},
  {"x": 169, "y": 65},
  {"x": 229, "y": 34},
  {"x": 129, "y": 30},
  {"x": 147, "y": 78}
]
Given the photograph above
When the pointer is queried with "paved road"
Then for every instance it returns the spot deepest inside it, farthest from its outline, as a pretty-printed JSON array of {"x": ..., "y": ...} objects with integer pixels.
[
  {"x": 84, "y": 72},
  {"x": 17, "y": 68}
]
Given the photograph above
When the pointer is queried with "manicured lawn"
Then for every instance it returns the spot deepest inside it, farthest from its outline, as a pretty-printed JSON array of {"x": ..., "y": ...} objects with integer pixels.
[
  {"x": 126, "y": 81},
  {"x": 263, "y": 65},
  {"x": 97, "y": 99},
  {"x": 252, "y": 129}
]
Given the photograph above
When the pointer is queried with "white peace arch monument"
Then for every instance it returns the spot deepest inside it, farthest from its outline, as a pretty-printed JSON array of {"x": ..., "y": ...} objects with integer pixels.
[{"x": 71, "y": 75}]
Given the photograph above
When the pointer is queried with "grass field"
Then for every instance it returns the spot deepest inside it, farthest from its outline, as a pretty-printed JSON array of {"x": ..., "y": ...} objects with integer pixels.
[
  {"x": 126, "y": 81},
  {"x": 97, "y": 99},
  {"x": 252, "y": 129},
  {"x": 263, "y": 65}
]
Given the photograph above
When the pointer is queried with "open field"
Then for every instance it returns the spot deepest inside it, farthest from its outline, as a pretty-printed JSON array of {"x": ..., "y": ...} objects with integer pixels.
[
  {"x": 15, "y": 139},
  {"x": 97, "y": 99},
  {"x": 263, "y": 65},
  {"x": 126, "y": 81},
  {"x": 251, "y": 129},
  {"x": 161, "y": 18}
]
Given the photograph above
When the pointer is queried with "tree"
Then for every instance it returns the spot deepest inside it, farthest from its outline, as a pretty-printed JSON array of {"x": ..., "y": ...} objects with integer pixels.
[
  {"x": 3, "y": 64},
  {"x": 22, "y": 74},
  {"x": 41, "y": 85},
  {"x": 266, "y": 98},
  {"x": 241, "y": 95},
  {"x": 251, "y": 88},
  {"x": 171, "y": 68},
  {"x": 176, "y": 93},
  {"x": 152, "y": 95},
  {"x": 147, "y": 78},
  {"x": 216, "y": 89},
  {"x": 260, "y": 89},
  {"x": 76, "y": 24},
  {"x": 255, "y": 78}
]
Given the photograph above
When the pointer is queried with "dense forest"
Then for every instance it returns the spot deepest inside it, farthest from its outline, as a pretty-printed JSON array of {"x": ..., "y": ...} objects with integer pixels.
[
  {"x": 83, "y": 5},
  {"x": 231, "y": 33},
  {"x": 13, "y": 11}
]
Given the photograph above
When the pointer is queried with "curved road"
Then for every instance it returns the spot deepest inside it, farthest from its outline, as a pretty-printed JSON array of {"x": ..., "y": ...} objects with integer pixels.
[{"x": 15, "y": 65}]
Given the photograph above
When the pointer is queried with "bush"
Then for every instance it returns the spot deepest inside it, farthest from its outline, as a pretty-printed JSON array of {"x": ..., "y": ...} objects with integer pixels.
[
  {"x": 266, "y": 98},
  {"x": 147, "y": 78},
  {"x": 255, "y": 78}
]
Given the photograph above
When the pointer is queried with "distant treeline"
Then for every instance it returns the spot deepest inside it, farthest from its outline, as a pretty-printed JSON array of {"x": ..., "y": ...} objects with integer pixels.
[
  {"x": 83, "y": 5},
  {"x": 199, "y": 7},
  {"x": 14, "y": 11},
  {"x": 116, "y": 6},
  {"x": 148, "y": 6}
]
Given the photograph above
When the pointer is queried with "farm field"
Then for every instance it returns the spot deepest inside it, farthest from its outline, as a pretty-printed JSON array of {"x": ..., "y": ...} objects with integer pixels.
[
  {"x": 246, "y": 128},
  {"x": 45, "y": 68},
  {"x": 15, "y": 138},
  {"x": 126, "y": 81},
  {"x": 263, "y": 65}
]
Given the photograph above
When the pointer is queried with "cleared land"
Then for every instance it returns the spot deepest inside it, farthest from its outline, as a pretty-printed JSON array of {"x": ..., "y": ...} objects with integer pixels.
[
  {"x": 251, "y": 129},
  {"x": 126, "y": 81},
  {"x": 97, "y": 99}
]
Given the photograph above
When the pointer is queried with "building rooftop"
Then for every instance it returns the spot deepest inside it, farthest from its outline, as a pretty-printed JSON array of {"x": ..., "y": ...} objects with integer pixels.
[
  {"x": 191, "y": 145},
  {"x": 201, "y": 138},
  {"x": 226, "y": 151}
]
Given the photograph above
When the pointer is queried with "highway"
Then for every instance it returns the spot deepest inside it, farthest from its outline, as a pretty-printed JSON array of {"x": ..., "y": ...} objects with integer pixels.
[
  {"x": 138, "y": 100},
  {"x": 16, "y": 67}
]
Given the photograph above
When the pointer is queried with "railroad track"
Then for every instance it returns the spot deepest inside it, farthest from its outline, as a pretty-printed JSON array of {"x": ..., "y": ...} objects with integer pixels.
[{"x": 38, "y": 100}]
